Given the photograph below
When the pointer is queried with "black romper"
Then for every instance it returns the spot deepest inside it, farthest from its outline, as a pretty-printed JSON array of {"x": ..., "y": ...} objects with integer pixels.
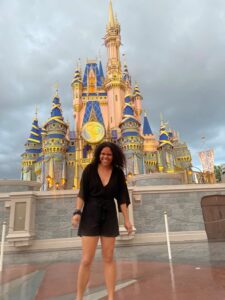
[{"x": 99, "y": 217}]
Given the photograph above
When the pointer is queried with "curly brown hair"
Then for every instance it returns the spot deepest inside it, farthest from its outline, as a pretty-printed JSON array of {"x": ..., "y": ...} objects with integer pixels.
[{"x": 119, "y": 159}]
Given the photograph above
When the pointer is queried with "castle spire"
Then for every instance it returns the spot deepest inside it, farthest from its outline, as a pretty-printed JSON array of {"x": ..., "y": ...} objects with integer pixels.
[
  {"x": 35, "y": 133},
  {"x": 111, "y": 21},
  {"x": 114, "y": 84},
  {"x": 164, "y": 135},
  {"x": 146, "y": 127}
]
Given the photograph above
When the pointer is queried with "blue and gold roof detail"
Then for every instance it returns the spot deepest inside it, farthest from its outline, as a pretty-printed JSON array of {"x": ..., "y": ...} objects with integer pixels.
[
  {"x": 56, "y": 112},
  {"x": 128, "y": 116},
  {"x": 146, "y": 126},
  {"x": 98, "y": 71},
  {"x": 128, "y": 111},
  {"x": 35, "y": 133},
  {"x": 43, "y": 132},
  {"x": 164, "y": 138},
  {"x": 95, "y": 107},
  {"x": 137, "y": 92},
  {"x": 77, "y": 77}
]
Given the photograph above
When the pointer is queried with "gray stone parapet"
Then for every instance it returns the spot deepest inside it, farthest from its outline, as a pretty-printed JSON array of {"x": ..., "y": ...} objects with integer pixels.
[{"x": 13, "y": 185}]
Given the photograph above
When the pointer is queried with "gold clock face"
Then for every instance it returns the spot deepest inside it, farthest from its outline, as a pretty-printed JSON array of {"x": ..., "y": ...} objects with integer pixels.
[{"x": 93, "y": 132}]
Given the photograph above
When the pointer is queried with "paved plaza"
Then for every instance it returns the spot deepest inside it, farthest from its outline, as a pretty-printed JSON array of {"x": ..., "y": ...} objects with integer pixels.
[{"x": 197, "y": 272}]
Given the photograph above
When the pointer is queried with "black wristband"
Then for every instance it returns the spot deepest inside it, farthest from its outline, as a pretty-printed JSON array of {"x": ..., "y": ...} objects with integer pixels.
[{"x": 77, "y": 212}]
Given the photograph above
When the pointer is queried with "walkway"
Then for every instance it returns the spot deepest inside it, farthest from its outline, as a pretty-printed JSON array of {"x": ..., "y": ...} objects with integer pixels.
[{"x": 196, "y": 273}]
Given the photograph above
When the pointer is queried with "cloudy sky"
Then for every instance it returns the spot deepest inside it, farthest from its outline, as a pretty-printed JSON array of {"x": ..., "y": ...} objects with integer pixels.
[{"x": 174, "y": 49}]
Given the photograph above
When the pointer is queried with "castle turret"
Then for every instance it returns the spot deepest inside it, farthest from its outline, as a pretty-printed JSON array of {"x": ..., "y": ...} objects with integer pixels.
[
  {"x": 55, "y": 146},
  {"x": 131, "y": 141},
  {"x": 137, "y": 98},
  {"x": 166, "y": 161},
  {"x": 150, "y": 147},
  {"x": 77, "y": 95},
  {"x": 181, "y": 152},
  {"x": 32, "y": 152}
]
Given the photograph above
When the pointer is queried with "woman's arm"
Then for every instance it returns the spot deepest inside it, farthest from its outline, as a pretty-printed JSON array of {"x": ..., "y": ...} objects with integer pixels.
[
  {"x": 127, "y": 223},
  {"x": 76, "y": 217},
  {"x": 79, "y": 203}
]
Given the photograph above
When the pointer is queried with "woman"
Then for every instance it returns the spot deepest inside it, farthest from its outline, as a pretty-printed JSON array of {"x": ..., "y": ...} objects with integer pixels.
[{"x": 102, "y": 181}]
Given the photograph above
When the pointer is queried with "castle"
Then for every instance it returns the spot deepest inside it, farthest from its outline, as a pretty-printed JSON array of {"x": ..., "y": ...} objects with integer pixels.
[{"x": 105, "y": 108}]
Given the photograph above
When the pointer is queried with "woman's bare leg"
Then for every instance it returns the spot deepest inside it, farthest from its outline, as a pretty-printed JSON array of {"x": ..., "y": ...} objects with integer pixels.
[
  {"x": 108, "y": 244},
  {"x": 89, "y": 244}
]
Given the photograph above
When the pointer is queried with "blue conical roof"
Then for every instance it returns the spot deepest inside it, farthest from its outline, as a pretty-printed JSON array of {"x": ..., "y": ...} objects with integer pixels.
[
  {"x": 77, "y": 77},
  {"x": 56, "y": 112},
  {"x": 164, "y": 136},
  {"x": 146, "y": 127},
  {"x": 128, "y": 110},
  {"x": 35, "y": 133},
  {"x": 137, "y": 91}
]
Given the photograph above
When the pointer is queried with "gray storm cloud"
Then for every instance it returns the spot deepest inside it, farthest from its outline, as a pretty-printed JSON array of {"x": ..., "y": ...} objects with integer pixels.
[{"x": 174, "y": 50}]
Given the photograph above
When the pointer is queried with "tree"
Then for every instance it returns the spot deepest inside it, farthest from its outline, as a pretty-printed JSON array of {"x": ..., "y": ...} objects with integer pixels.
[{"x": 218, "y": 172}]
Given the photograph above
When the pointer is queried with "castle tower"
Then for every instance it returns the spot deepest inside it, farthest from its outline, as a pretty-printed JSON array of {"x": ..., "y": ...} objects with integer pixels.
[
  {"x": 114, "y": 83},
  {"x": 150, "y": 147},
  {"x": 137, "y": 98},
  {"x": 131, "y": 141},
  {"x": 32, "y": 152},
  {"x": 166, "y": 161},
  {"x": 91, "y": 114},
  {"x": 55, "y": 147},
  {"x": 77, "y": 95},
  {"x": 182, "y": 154}
]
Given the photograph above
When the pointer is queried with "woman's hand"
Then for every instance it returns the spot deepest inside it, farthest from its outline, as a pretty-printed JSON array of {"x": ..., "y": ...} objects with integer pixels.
[
  {"x": 128, "y": 226},
  {"x": 75, "y": 220}
]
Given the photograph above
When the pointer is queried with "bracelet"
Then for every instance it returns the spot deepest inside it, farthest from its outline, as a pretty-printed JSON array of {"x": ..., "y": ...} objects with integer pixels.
[{"x": 77, "y": 212}]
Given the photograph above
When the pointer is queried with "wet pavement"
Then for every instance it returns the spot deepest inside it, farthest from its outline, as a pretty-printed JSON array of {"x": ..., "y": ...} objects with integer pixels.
[{"x": 197, "y": 272}]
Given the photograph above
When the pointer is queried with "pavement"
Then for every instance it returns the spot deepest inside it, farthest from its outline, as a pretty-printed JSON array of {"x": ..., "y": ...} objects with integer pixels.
[{"x": 196, "y": 272}]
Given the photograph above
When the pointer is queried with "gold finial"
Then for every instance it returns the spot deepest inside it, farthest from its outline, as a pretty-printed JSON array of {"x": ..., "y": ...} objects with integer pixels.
[
  {"x": 56, "y": 86},
  {"x": 145, "y": 113}
]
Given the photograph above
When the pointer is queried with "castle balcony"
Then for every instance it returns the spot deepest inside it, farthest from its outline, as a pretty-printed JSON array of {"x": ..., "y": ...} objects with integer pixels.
[{"x": 85, "y": 161}]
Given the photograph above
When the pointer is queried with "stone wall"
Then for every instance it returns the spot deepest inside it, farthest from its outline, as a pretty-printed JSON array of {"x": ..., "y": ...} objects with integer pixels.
[
  {"x": 52, "y": 211},
  {"x": 158, "y": 179},
  {"x": 53, "y": 216},
  {"x": 183, "y": 210},
  {"x": 12, "y": 185}
]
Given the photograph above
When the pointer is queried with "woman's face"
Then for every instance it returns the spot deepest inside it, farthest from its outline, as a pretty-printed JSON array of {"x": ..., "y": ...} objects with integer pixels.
[{"x": 106, "y": 157}]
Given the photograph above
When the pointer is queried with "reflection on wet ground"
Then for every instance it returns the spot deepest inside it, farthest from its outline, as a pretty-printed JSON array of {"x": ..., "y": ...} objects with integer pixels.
[{"x": 197, "y": 271}]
